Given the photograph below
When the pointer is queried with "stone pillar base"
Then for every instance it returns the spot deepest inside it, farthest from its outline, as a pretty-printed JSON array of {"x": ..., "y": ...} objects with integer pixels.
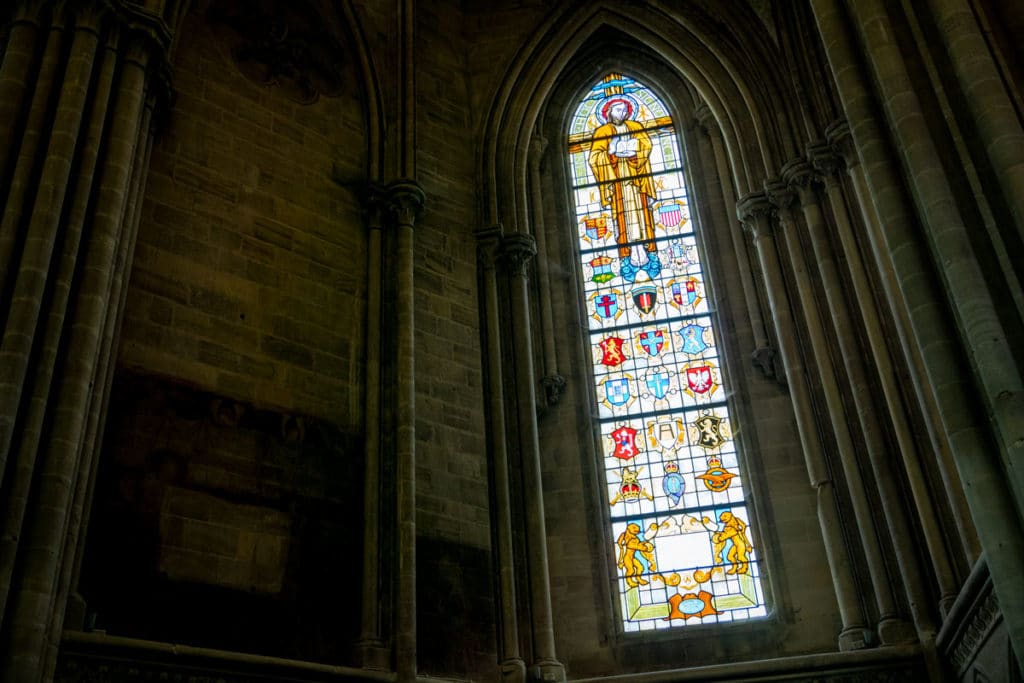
[
  {"x": 372, "y": 654},
  {"x": 892, "y": 631},
  {"x": 854, "y": 638},
  {"x": 513, "y": 671},
  {"x": 548, "y": 671}
]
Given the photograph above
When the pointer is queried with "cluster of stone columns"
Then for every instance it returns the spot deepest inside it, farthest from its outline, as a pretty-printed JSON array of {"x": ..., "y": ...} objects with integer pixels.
[
  {"x": 514, "y": 444},
  {"x": 963, "y": 366},
  {"x": 80, "y": 86},
  {"x": 891, "y": 252},
  {"x": 814, "y": 201},
  {"x": 778, "y": 219}
]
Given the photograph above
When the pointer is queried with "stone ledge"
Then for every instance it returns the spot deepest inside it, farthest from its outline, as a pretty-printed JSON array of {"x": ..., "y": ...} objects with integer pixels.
[
  {"x": 897, "y": 663},
  {"x": 86, "y": 656}
]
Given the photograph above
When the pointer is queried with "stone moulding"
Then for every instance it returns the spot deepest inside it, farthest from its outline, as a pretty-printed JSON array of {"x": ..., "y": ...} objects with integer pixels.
[{"x": 971, "y": 620}]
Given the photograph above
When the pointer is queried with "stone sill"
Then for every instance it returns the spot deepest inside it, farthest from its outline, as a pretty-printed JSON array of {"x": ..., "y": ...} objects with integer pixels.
[{"x": 878, "y": 664}]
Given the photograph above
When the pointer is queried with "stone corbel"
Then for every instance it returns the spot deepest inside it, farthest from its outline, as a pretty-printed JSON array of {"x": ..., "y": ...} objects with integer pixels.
[{"x": 553, "y": 385}]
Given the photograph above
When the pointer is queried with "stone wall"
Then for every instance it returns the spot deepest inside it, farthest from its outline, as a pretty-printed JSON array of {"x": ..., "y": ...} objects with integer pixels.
[
  {"x": 250, "y": 269},
  {"x": 220, "y": 525},
  {"x": 454, "y": 570}
]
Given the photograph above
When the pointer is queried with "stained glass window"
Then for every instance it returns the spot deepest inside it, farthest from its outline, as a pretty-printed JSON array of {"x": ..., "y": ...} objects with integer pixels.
[{"x": 680, "y": 526}]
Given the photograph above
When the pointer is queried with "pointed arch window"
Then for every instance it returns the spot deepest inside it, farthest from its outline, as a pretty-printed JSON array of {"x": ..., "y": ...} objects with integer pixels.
[{"x": 680, "y": 526}]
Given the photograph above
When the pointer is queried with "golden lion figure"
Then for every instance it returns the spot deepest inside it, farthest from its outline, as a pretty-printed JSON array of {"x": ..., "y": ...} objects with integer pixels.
[
  {"x": 736, "y": 531},
  {"x": 629, "y": 545}
]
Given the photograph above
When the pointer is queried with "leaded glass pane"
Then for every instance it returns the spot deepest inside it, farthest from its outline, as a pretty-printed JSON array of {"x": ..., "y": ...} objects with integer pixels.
[{"x": 680, "y": 525}]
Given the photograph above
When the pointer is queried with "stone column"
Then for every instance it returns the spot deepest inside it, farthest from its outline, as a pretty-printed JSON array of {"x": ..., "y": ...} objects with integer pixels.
[
  {"x": 891, "y": 628},
  {"x": 992, "y": 504},
  {"x": 74, "y": 546},
  {"x": 25, "y": 34},
  {"x": 517, "y": 249},
  {"x": 997, "y": 120},
  {"x": 842, "y": 144},
  {"x": 799, "y": 176},
  {"x": 404, "y": 202},
  {"x": 552, "y": 381},
  {"x": 372, "y": 653},
  {"x": 994, "y": 363},
  {"x": 755, "y": 211},
  {"x": 827, "y": 164},
  {"x": 28, "y": 29},
  {"x": 67, "y": 249},
  {"x": 763, "y": 355},
  {"x": 513, "y": 668}
]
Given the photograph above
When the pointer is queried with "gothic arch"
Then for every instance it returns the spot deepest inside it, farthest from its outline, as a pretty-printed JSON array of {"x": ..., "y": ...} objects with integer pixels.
[
  {"x": 686, "y": 60},
  {"x": 750, "y": 103}
]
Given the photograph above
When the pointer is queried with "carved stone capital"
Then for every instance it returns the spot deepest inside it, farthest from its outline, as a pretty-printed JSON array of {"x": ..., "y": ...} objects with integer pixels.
[
  {"x": 799, "y": 176},
  {"x": 25, "y": 12},
  {"x": 85, "y": 16},
  {"x": 154, "y": 23},
  {"x": 779, "y": 194},
  {"x": 516, "y": 251},
  {"x": 705, "y": 120},
  {"x": 825, "y": 161},
  {"x": 755, "y": 213},
  {"x": 538, "y": 144},
  {"x": 405, "y": 201},
  {"x": 488, "y": 244},
  {"x": 840, "y": 138}
]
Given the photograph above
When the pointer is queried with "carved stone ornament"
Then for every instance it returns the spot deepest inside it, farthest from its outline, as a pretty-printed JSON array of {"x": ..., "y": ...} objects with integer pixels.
[
  {"x": 705, "y": 120},
  {"x": 840, "y": 138},
  {"x": 826, "y": 162},
  {"x": 779, "y": 194},
  {"x": 799, "y": 176},
  {"x": 516, "y": 250},
  {"x": 553, "y": 385},
  {"x": 755, "y": 213},
  {"x": 766, "y": 360},
  {"x": 981, "y": 622},
  {"x": 488, "y": 242},
  {"x": 405, "y": 199},
  {"x": 282, "y": 43}
]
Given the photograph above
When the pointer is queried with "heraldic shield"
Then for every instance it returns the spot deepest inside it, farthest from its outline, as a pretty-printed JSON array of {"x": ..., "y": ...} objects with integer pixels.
[{"x": 624, "y": 440}]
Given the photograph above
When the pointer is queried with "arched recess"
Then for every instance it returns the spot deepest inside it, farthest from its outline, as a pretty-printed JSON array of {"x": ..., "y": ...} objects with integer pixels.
[{"x": 693, "y": 64}]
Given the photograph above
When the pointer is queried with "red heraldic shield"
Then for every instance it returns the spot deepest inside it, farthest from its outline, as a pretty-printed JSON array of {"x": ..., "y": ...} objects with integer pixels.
[
  {"x": 625, "y": 443},
  {"x": 699, "y": 378},
  {"x": 611, "y": 349}
]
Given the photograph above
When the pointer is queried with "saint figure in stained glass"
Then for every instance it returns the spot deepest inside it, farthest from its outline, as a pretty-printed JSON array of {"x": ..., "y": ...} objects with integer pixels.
[{"x": 620, "y": 160}]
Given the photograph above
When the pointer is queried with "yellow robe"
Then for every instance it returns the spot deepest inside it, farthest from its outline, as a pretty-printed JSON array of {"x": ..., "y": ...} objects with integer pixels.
[{"x": 625, "y": 183}]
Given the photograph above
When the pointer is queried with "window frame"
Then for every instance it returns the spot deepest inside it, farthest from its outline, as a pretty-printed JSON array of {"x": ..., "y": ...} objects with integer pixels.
[{"x": 739, "y": 410}]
